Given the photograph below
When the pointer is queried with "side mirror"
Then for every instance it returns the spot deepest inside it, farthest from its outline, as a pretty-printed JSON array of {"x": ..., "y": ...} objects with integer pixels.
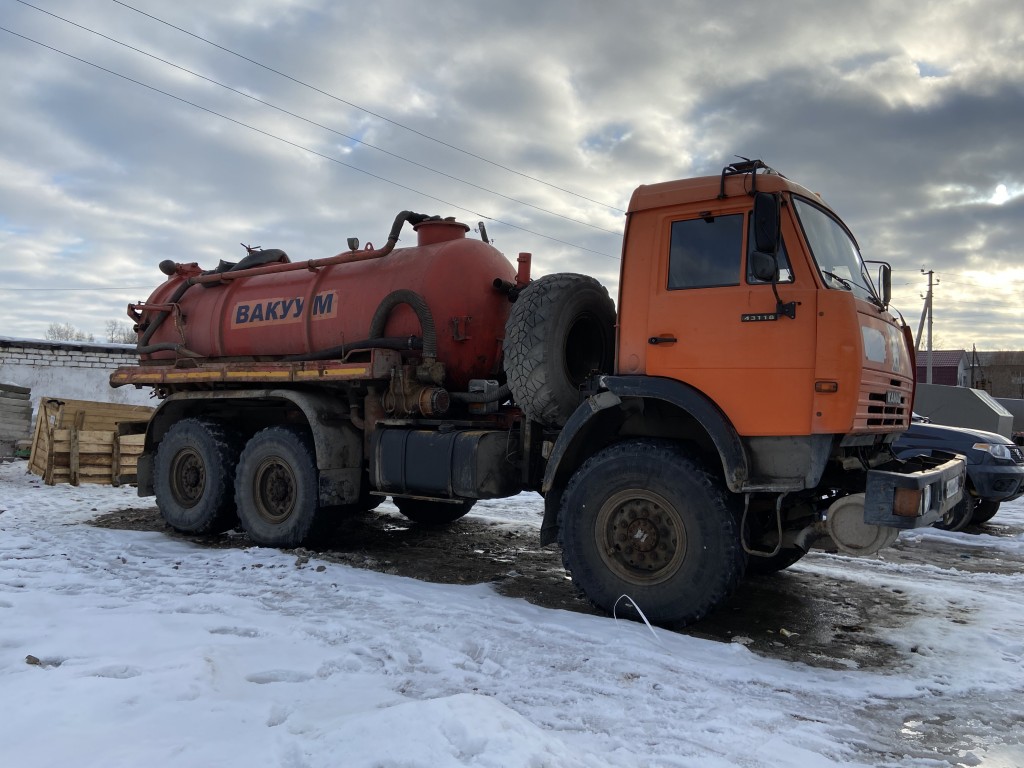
[
  {"x": 766, "y": 222},
  {"x": 885, "y": 283},
  {"x": 764, "y": 266}
]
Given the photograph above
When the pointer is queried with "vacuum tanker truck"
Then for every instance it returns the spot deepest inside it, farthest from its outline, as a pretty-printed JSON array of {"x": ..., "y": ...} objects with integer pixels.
[{"x": 736, "y": 407}]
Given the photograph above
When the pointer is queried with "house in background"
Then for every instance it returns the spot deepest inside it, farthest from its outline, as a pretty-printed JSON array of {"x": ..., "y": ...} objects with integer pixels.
[
  {"x": 950, "y": 367},
  {"x": 1001, "y": 374}
]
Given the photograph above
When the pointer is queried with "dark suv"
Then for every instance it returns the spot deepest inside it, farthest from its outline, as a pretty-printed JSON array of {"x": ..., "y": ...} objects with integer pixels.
[{"x": 995, "y": 467}]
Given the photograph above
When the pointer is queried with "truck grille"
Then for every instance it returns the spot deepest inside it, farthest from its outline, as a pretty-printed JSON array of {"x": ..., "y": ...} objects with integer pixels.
[
  {"x": 884, "y": 403},
  {"x": 1017, "y": 454}
]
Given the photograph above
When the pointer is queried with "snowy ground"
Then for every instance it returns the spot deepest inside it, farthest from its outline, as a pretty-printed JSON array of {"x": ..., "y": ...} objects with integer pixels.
[{"x": 127, "y": 648}]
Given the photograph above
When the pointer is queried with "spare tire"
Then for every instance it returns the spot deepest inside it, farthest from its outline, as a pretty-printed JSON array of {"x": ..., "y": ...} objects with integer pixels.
[{"x": 560, "y": 330}]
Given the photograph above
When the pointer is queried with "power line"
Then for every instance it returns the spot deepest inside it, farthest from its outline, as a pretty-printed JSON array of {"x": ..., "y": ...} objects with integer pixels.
[
  {"x": 318, "y": 125},
  {"x": 61, "y": 290},
  {"x": 307, "y": 149},
  {"x": 367, "y": 111}
]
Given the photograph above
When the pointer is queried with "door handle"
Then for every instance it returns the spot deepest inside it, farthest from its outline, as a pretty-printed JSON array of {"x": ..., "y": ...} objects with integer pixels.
[{"x": 662, "y": 340}]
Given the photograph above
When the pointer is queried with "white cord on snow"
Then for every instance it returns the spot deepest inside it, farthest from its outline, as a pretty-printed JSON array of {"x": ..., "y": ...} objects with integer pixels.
[{"x": 642, "y": 616}]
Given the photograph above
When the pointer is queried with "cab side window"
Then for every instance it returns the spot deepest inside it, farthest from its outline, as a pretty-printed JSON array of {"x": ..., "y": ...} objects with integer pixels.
[{"x": 706, "y": 252}]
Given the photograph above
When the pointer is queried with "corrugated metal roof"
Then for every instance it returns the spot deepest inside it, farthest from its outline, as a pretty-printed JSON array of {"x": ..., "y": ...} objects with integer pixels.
[{"x": 942, "y": 358}]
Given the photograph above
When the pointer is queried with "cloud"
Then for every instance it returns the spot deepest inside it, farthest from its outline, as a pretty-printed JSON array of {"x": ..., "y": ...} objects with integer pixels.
[{"x": 903, "y": 117}]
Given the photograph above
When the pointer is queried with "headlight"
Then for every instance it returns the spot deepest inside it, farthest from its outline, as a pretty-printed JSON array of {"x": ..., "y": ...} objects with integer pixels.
[{"x": 997, "y": 450}]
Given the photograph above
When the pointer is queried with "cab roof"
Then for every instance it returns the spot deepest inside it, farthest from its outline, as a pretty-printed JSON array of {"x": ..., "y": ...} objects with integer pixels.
[{"x": 708, "y": 188}]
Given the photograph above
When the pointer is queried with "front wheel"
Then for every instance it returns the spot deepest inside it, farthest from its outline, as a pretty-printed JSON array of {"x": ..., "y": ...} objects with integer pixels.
[
  {"x": 959, "y": 516},
  {"x": 276, "y": 490},
  {"x": 643, "y": 519},
  {"x": 984, "y": 511}
]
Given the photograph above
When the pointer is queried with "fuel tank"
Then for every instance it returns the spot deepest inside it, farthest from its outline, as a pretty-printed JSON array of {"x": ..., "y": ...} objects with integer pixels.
[{"x": 305, "y": 310}]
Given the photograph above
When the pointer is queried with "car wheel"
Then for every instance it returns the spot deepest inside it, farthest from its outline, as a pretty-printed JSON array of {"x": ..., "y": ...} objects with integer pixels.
[
  {"x": 984, "y": 511},
  {"x": 959, "y": 517}
]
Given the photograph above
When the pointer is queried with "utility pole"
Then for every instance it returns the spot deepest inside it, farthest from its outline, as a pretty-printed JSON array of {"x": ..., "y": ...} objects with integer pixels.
[{"x": 926, "y": 312}]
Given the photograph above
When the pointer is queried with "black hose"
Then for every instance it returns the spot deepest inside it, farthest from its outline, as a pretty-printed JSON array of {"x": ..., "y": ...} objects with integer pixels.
[
  {"x": 259, "y": 259},
  {"x": 482, "y": 397},
  {"x": 157, "y": 321},
  {"x": 419, "y": 306},
  {"x": 507, "y": 288},
  {"x": 412, "y": 218}
]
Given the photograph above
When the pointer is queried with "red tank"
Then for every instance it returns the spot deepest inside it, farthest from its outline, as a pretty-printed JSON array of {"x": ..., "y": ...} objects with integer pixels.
[{"x": 296, "y": 309}]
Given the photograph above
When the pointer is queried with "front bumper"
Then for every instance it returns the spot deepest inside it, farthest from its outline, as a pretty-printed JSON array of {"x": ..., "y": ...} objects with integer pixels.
[
  {"x": 993, "y": 482},
  {"x": 937, "y": 482}
]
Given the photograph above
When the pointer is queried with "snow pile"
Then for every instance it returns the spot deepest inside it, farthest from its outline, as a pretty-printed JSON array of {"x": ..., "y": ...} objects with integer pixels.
[{"x": 123, "y": 648}]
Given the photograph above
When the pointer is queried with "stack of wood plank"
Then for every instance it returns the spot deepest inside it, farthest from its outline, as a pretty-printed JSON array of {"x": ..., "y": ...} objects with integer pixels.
[
  {"x": 15, "y": 418},
  {"x": 79, "y": 441}
]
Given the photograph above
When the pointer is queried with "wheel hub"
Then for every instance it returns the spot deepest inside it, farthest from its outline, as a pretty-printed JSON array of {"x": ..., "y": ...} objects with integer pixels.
[
  {"x": 275, "y": 490},
  {"x": 188, "y": 478},
  {"x": 640, "y": 536}
]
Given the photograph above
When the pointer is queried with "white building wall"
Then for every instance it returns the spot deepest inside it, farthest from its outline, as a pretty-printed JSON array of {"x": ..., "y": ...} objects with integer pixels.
[{"x": 73, "y": 370}]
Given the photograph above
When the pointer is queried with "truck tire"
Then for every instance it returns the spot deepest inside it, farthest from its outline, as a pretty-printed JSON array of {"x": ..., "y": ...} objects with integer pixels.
[
  {"x": 277, "y": 488},
  {"x": 642, "y": 518},
  {"x": 780, "y": 561},
  {"x": 560, "y": 330},
  {"x": 194, "y": 477},
  {"x": 984, "y": 511},
  {"x": 425, "y": 512}
]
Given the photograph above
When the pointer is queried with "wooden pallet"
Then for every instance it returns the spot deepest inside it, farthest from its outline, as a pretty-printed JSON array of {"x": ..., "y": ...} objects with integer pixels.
[
  {"x": 78, "y": 441},
  {"x": 15, "y": 417}
]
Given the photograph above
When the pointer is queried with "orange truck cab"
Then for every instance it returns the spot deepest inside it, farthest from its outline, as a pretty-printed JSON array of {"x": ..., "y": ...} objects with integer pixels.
[
  {"x": 818, "y": 340},
  {"x": 761, "y": 379}
]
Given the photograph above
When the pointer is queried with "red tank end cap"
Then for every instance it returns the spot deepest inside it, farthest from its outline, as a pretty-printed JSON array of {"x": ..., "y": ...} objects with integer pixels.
[{"x": 431, "y": 232}]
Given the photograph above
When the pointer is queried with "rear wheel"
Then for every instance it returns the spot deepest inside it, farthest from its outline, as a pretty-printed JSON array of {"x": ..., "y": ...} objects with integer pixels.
[
  {"x": 984, "y": 511},
  {"x": 643, "y": 519},
  {"x": 277, "y": 488},
  {"x": 426, "y": 512},
  {"x": 194, "y": 475}
]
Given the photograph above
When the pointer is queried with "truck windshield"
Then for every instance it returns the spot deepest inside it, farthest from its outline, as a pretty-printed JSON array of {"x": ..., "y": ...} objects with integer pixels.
[{"x": 835, "y": 251}]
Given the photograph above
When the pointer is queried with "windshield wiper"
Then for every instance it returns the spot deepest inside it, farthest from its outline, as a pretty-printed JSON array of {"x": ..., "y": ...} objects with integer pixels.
[
  {"x": 871, "y": 295},
  {"x": 848, "y": 285},
  {"x": 841, "y": 280}
]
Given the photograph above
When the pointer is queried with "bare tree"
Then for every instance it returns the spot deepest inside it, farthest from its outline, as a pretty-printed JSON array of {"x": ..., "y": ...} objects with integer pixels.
[
  {"x": 120, "y": 333},
  {"x": 67, "y": 332}
]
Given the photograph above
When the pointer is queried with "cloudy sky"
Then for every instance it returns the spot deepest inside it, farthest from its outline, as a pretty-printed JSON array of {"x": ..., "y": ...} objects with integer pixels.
[{"x": 536, "y": 116}]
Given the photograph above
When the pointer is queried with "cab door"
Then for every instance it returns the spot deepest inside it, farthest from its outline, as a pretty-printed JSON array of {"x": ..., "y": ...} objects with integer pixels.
[{"x": 711, "y": 324}]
